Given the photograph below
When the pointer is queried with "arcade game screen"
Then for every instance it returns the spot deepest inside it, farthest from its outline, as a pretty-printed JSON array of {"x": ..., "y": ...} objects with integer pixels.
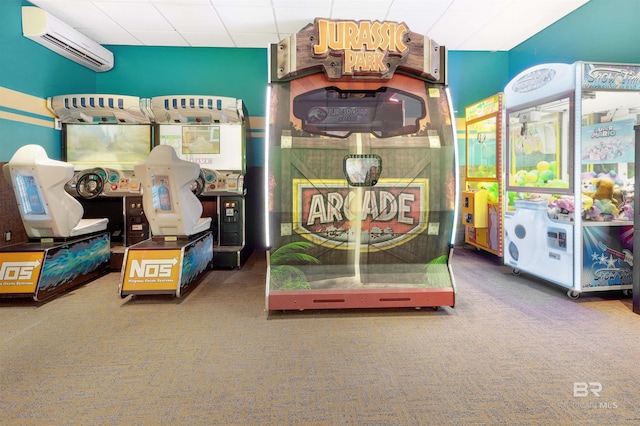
[
  {"x": 114, "y": 146},
  {"x": 217, "y": 147}
]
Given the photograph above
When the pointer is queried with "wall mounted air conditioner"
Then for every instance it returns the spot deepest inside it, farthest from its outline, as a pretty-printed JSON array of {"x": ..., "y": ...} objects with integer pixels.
[{"x": 49, "y": 31}]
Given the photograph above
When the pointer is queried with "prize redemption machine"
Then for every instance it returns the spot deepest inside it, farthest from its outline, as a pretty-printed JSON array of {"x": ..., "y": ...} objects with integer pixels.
[
  {"x": 211, "y": 131},
  {"x": 103, "y": 137},
  {"x": 569, "y": 174},
  {"x": 482, "y": 199},
  {"x": 361, "y": 164}
]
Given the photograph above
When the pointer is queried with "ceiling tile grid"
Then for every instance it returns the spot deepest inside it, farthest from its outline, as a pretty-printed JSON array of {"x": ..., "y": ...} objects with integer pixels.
[{"x": 490, "y": 25}]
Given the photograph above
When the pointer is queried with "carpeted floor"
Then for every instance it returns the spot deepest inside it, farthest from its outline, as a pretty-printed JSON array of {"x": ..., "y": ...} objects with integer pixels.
[{"x": 515, "y": 351}]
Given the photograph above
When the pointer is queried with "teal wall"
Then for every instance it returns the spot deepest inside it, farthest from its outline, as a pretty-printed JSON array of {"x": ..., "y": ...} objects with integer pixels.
[
  {"x": 32, "y": 69},
  {"x": 599, "y": 31},
  {"x": 158, "y": 71},
  {"x": 474, "y": 76}
]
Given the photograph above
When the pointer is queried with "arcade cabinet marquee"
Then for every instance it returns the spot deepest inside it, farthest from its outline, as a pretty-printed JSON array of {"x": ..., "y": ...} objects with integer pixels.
[{"x": 361, "y": 162}]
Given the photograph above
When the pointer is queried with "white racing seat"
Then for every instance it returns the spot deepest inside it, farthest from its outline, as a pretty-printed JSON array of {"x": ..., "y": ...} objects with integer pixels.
[
  {"x": 169, "y": 204},
  {"x": 46, "y": 209}
]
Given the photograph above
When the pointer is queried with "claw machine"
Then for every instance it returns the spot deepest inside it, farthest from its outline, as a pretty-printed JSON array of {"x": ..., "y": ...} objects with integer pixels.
[
  {"x": 482, "y": 198},
  {"x": 570, "y": 170},
  {"x": 360, "y": 169}
]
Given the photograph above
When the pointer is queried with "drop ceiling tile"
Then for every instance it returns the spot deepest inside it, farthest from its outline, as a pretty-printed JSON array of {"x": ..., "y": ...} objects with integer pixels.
[
  {"x": 135, "y": 16},
  {"x": 242, "y": 3},
  {"x": 115, "y": 37},
  {"x": 302, "y": 4},
  {"x": 254, "y": 40},
  {"x": 77, "y": 13},
  {"x": 241, "y": 19},
  {"x": 457, "y": 24},
  {"x": 292, "y": 20},
  {"x": 359, "y": 14},
  {"x": 181, "y": 2},
  {"x": 194, "y": 18},
  {"x": 416, "y": 23},
  {"x": 206, "y": 39},
  {"x": 160, "y": 38},
  {"x": 362, "y": 4}
]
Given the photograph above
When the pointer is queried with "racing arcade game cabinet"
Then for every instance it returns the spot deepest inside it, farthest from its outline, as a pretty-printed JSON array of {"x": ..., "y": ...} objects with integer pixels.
[
  {"x": 361, "y": 162},
  {"x": 104, "y": 136},
  {"x": 211, "y": 131},
  {"x": 181, "y": 247},
  {"x": 64, "y": 248}
]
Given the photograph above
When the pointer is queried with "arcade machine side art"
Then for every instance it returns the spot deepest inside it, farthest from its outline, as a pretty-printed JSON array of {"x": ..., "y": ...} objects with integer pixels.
[
  {"x": 337, "y": 239},
  {"x": 482, "y": 198}
]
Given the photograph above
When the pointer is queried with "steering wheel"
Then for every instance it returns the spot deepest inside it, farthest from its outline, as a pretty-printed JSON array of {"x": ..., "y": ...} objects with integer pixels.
[
  {"x": 89, "y": 185},
  {"x": 197, "y": 186}
]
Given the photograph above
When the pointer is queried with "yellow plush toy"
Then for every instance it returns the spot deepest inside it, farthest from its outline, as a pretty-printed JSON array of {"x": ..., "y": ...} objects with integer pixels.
[
  {"x": 605, "y": 191},
  {"x": 604, "y": 199}
]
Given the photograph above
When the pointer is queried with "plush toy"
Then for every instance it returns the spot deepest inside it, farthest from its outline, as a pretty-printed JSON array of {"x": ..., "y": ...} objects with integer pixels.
[
  {"x": 587, "y": 202},
  {"x": 607, "y": 208},
  {"x": 588, "y": 180},
  {"x": 627, "y": 210},
  {"x": 605, "y": 191},
  {"x": 565, "y": 204},
  {"x": 593, "y": 213},
  {"x": 561, "y": 206}
]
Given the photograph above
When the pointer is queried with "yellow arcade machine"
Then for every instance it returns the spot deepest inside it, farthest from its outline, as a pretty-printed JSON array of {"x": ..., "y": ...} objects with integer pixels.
[
  {"x": 482, "y": 198},
  {"x": 361, "y": 162},
  {"x": 181, "y": 247},
  {"x": 64, "y": 249}
]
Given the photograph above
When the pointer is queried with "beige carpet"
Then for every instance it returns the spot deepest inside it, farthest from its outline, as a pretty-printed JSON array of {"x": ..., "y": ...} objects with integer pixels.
[{"x": 515, "y": 351}]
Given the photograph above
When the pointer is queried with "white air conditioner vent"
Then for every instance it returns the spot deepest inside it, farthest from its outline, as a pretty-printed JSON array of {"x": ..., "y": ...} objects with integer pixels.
[{"x": 47, "y": 30}]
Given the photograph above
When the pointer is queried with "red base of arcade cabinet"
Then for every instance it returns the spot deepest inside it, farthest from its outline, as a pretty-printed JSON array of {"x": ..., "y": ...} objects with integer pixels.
[{"x": 359, "y": 298}]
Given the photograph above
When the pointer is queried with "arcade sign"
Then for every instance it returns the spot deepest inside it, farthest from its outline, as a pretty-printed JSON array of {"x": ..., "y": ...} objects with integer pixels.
[
  {"x": 358, "y": 49},
  {"x": 611, "y": 77},
  {"x": 364, "y": 45},
  {"x": 393, "y": 212}
]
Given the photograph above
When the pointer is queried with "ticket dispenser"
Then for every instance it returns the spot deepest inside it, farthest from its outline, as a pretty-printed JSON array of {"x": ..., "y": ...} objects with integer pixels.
[{"x": 231, "y": 221}]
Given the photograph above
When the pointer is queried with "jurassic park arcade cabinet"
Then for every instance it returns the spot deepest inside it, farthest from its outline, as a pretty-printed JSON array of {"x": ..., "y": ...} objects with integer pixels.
[{"x": 361, "y": 162}]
